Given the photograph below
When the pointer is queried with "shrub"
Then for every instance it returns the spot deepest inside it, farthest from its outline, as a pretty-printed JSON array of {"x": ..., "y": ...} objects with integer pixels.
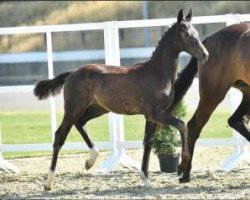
[{"x": 167, "y": 137}]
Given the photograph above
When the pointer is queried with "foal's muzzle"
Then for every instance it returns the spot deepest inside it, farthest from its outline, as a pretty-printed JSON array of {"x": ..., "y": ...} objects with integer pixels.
[
  {"x": 200, "y": 52},
  {"x": 204, "y": 56}
]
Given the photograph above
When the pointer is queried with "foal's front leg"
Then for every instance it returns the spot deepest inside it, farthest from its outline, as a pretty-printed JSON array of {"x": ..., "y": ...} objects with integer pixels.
[
  {"x": 162, "y": 117},
  {"x": 148, "y": 141}
]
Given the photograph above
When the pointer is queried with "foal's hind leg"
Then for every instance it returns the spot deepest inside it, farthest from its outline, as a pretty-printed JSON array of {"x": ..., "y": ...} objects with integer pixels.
[
  {"x": 90, "y": 113},
  {"x": 148, "y": 141},
  {"x": 240, "y": 119},
  {"x": 60, "y": 137},
  {"x": 73, "y": 107}
]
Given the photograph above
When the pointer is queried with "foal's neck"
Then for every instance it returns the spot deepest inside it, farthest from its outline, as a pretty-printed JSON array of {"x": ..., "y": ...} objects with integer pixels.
[{"x": 164, "y": 61}]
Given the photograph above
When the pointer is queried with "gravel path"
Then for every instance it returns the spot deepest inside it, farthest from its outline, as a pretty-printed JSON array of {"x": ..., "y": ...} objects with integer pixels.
[{"x": 74, "y": 182}]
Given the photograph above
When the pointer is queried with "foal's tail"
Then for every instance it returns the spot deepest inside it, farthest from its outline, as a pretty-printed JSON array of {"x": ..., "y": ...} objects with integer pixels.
[
  {"x": 48, "y": 87},
  {"x": 184, "y": 81}
]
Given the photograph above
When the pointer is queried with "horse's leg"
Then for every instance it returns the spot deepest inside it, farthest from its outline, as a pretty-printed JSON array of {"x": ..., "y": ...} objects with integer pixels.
[
  {"x": 162, "y": 117},
  {"x": 209, "y": 100},
  {"x": 195, "y": 125},
  {"x": 148, "y": 141},
  {"x": 75, "y": 104},
  {"x": 60, "y": 137},
  {"x": 239, "y": 120},
  {"x": 90, "y": 113}
]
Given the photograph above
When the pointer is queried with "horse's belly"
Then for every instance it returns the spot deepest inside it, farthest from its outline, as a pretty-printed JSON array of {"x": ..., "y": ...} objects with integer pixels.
[{"x": 119, "y": 106}]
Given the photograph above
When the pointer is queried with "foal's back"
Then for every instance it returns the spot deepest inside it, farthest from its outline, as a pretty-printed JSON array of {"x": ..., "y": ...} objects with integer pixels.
[{"x": 114, "y": 88}]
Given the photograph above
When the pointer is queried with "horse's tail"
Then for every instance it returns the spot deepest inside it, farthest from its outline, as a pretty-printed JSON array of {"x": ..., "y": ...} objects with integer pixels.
[
  {"x": 48, "y": 87},
  {"x": 184, "y": 81}
]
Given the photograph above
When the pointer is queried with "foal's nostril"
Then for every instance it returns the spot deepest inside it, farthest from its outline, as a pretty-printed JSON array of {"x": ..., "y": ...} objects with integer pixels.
[{"x": 204, "y": 55}]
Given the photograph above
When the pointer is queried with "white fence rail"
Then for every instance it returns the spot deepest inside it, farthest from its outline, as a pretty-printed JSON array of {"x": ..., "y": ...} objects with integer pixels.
[
  {"x": 83, "y": 55},
  {"x": 95, "y": 54},
  {"x": 112, "y": 56}
]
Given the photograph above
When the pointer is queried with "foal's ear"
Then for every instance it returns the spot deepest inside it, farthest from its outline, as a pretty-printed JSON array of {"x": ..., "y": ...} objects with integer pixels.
[
  {"x": 180, "y": 16},
  {"x": 189, "y": 15}
]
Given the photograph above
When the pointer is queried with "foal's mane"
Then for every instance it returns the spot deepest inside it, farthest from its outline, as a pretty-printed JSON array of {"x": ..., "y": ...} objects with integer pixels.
[{"x": 160, "y": 45}]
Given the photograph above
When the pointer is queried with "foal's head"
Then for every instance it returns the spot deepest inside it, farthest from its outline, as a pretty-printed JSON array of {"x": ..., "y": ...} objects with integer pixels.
[{"x": 187, "y": 38}]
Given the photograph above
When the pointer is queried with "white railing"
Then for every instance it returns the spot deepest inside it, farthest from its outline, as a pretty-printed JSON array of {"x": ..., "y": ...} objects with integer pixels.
[
  {"x": 82, "y": 55},
  {"x": 116, "y": 144}
]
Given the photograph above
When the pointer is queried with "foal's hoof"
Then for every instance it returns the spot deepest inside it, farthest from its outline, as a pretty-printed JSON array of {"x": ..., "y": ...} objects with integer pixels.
[
  {"x": 88, "y": 164},
  {"x": 91, "y": 161},
  {"x": 46, "y": 188},
  {"x": 147, "y": 183},
  {"x": 180, "y": 170},
  {"x": 184, "y": 180}
]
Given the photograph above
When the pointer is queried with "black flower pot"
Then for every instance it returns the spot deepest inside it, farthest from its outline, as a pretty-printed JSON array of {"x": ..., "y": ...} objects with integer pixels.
[{"x": 169, "y": 163}]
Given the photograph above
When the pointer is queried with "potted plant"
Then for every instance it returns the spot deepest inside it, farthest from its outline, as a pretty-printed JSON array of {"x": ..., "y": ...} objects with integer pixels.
[{"x": 166, "y": 141}]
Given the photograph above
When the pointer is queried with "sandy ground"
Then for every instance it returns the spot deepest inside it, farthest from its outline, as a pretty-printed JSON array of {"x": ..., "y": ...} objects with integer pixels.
[{"x": 74, "y": 182}]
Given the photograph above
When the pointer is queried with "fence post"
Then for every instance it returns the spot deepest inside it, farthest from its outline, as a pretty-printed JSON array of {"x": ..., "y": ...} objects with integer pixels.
[
  {"x": 51, "y": 75},
  {"x": 240, "y": 151},
  {"x": 116, "y": 127}
]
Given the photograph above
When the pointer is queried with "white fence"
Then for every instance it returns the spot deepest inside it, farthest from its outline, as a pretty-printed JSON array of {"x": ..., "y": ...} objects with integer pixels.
[{"x": 117, "y": 144}]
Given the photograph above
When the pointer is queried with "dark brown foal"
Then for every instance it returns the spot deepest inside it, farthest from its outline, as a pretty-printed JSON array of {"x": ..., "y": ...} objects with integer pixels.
[{"x": 145, "y": 88}]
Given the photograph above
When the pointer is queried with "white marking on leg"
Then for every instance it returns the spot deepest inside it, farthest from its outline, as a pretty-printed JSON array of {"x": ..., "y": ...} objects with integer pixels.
[
  {"x": 93, "y": 155},
  {"x": 246, "y": 122},
  {"x": 147, "y": 182},
  {"x": 50, "y": 179}
]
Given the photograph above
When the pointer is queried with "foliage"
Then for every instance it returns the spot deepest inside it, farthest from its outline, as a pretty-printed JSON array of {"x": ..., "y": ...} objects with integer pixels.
[
  {"x": 167, "y": 137},
  {"x": 66, "y": 12}
]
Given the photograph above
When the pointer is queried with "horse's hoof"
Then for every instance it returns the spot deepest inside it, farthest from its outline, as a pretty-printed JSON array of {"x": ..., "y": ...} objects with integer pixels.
[
  {"x": 88, "y": 164},
  {"x": 91, "y": 161},
  {"x": 184, "y": 180},
  {"x": 46, "y": 188},
  {"x": 147, "y": 183}
]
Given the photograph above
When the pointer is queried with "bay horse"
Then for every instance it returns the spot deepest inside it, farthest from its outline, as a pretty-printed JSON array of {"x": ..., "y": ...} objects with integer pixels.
[
  {"x": 228, "y": 66},
  {"x": 145, "y": 88}
]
